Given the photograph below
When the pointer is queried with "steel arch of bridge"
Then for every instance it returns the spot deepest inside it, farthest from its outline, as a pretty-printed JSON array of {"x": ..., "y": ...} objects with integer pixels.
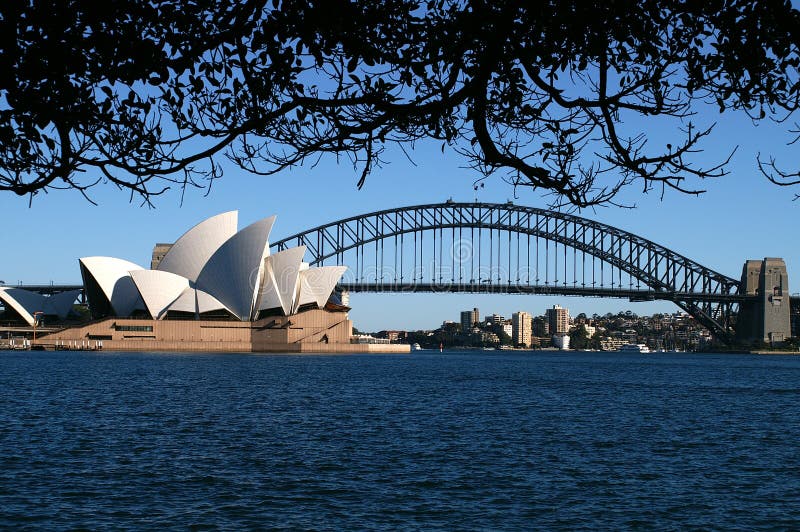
[{"x": 709, "y": 296}]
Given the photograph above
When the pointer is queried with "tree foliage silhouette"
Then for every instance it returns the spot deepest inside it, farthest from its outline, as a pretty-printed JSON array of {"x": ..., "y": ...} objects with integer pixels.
[{"x": 152, "y": 94}]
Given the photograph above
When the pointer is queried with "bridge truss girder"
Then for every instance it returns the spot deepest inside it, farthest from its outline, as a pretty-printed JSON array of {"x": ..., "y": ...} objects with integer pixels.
[{"x": 710, "y": 297}]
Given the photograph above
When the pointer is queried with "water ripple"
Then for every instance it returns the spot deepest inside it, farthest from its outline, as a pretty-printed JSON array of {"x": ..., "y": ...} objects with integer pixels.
[{"x": 427, "y": 441}]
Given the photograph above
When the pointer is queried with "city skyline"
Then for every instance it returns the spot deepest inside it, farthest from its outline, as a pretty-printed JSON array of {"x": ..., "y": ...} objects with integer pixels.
[{"x": 492, "y": 315}]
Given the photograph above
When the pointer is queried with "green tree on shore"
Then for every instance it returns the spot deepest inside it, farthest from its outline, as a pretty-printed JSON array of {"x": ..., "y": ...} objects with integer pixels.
[{"x": 579, "y": 338}]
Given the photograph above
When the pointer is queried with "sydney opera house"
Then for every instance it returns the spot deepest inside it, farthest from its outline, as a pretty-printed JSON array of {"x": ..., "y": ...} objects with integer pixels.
[{"x": 215, "y": 289}]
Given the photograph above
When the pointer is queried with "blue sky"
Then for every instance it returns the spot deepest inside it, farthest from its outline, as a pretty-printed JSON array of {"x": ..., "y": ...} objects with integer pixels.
[{"x": 742, "y": 216}]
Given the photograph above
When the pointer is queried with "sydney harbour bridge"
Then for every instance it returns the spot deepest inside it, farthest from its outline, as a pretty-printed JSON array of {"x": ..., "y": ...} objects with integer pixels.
[{"x": 514, "y": 249}]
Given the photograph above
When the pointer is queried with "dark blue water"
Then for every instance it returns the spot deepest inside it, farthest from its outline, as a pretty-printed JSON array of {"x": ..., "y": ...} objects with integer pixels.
[{"x": 424, "y": 441}]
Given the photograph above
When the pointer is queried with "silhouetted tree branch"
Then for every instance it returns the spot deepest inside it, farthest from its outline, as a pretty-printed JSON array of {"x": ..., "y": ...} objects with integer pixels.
[{"x": 152, "y": 95}]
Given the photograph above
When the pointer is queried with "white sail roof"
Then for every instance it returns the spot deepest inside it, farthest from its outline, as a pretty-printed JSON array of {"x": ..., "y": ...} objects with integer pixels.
[
  {"x": 61, "y": 304},
  {"x": 158, "y": 289},
  {"x": 208, "y": 303},
  {"x": 26, "y": 303},
  {"x": 281, "y": 276},
  {"x": 212, "y": 267},
  {"x": 186, "y": 302},
  {"x": 23, "y": 302},
  {"x": 269, "y": 297},
  {"x": 113, "y": 278},
  {"x": 234, "y": 272},
  {"x": 190, "y": 252},
  {"x": 196, "y": 302},
  {"x": 316, "y": 284}
]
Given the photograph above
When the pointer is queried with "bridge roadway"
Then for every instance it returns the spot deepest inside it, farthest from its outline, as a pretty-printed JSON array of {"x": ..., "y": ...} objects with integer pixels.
[
  {"x": 498, "y": 288},
  {"x": 490, "y": 288}
]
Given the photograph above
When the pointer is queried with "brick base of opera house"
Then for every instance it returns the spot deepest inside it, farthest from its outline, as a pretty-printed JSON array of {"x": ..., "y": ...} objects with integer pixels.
[{"x": 313, "y": 331}]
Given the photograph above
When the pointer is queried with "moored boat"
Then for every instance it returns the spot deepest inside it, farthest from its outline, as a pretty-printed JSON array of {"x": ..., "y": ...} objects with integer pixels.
[{"x": 634, "y": 348}]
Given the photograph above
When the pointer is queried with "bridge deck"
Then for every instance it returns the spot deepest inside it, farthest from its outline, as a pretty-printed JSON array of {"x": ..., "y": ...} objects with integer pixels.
[
  {"x": 489, "y": 288},
  {"x": 492, "y": 288}
]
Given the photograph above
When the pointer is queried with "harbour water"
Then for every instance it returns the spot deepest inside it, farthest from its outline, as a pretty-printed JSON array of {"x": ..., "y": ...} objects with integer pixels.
[{"x": 459, "y": 440}]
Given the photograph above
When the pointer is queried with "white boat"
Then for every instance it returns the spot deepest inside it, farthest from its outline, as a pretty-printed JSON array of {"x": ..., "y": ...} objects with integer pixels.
[
  {"x": 634, "y": 348},
  {"x": 416, "y": 347},
  {"x": 561, "y": 341}
]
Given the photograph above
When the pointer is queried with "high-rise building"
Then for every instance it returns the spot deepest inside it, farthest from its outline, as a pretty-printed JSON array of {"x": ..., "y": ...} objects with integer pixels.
[
  {"x": 521, "y": 328},
  {"x": 466, "y": 320},
  {"x": 469, "y": 318},
  {"x": 494, "y": 319},
  {"x": 558, "y": 319},
  {"x": 540, "y": 327}
]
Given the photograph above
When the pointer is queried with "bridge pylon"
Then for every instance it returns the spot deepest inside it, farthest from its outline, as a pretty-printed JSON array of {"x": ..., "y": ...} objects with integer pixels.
[{"x": 765, "y": 317}]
